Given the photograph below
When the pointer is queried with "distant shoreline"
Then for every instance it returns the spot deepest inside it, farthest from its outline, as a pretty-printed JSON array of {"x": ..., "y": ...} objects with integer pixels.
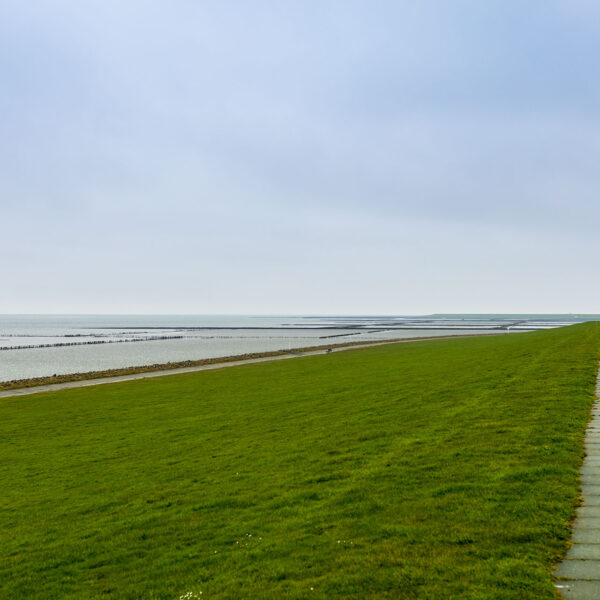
[{"x": 17, "y": 384}]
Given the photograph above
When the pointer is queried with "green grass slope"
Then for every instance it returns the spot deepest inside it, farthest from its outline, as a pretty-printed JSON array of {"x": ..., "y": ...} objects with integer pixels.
[{"x": 439, "y": 469}]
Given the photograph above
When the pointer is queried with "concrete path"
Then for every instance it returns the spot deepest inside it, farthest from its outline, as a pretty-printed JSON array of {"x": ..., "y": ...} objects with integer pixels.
[
  {"x": 51, "y": 387},
  {"x": 579, "y": 573}
]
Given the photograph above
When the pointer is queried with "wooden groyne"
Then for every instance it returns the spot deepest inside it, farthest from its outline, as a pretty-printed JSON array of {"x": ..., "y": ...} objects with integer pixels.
[{"x": 93, "y": 342}]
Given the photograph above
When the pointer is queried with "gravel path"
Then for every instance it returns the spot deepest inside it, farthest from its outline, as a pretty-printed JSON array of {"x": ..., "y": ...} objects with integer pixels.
[{"x": 579, "y": 572}]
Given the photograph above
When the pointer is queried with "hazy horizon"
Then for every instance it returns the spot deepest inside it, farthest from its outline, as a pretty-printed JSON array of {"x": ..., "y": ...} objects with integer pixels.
[
  {"x": 342, "y": 158},
  {"x": 304, "y": 315}
]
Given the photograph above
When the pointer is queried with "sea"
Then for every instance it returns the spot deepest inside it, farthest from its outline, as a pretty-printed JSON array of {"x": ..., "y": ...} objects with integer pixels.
[{"x": 45, "y": 345}]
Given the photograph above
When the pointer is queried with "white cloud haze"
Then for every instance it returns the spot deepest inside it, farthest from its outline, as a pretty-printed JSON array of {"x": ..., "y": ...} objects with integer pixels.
[{"x": 299, "y": 157}]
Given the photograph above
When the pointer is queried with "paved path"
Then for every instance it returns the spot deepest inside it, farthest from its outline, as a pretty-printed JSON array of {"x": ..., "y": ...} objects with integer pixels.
[
  {"x": 51, "y": 387},
  {"x": 580, "y": 571}
]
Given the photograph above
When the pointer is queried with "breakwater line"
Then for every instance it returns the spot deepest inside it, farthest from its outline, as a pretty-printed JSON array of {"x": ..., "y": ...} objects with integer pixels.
[{"x": 153, "y": 338}]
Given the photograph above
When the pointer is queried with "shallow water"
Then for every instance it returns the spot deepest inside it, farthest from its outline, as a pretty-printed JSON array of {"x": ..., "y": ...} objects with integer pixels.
[{"x": 71, "y": 344}]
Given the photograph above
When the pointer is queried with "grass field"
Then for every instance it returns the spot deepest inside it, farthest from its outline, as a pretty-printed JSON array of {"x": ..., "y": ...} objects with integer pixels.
[{"x": 438, "y": 469}]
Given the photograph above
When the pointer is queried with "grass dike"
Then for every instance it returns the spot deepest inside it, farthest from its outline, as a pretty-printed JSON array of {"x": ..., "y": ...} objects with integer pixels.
[{"x": 436, "y": 469}]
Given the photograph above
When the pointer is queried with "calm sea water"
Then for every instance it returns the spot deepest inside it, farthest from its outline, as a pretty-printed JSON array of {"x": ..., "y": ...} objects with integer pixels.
[{"x": 40, "y": 345}]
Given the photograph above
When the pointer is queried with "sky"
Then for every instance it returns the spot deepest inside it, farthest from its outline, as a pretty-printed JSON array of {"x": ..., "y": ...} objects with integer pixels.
[{"x": 299, "y": 157}]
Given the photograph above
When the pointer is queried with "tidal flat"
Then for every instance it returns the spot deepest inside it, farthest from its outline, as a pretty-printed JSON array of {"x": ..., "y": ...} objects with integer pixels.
[{"x": 33, "y": 346}]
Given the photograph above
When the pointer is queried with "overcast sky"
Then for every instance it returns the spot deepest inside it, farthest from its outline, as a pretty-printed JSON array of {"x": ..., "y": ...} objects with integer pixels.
[{"x": 299, "y": 157}]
